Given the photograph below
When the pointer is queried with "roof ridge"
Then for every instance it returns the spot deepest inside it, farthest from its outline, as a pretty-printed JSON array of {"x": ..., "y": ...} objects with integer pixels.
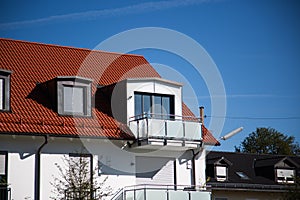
[
  {"x": 255, "y": 154},
  {"x": 71, "y": 47}
]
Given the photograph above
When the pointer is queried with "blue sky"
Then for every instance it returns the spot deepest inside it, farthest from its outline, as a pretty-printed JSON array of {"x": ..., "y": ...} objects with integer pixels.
[{"x": 255, "y": 45}]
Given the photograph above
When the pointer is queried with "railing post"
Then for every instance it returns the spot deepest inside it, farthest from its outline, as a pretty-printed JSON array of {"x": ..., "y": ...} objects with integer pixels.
[
  {"x": 138, "y": 129},
  {"x": 166, "y": 132},
  {"x": 147, "y": 127},
  {"x": 167, "y": 193},
  {"x": 183, "y": 126}
]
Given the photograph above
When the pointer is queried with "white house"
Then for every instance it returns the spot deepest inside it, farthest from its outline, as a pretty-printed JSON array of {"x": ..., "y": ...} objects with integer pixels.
[{"x": 115, "y": 108}]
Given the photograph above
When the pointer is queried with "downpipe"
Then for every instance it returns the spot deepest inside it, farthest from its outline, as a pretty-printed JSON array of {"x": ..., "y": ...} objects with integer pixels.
[{"x": 37, "y": 181}]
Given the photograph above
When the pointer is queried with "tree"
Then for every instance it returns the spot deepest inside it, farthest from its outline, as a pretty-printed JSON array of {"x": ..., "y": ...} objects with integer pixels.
[
  {"x": 74, "y": 181},
  {"x": 269, "y": 141},
  {"x": 293, "y": 191}
]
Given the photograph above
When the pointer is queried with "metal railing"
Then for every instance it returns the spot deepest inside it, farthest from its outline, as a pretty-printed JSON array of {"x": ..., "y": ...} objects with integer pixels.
[
  {"x": 5, "y": 193},
  {"x": 164, "y": 116},
  {"x": 162, "y": 192},
  {"x": 71, "y": 194},
  {"x": 163, "y": 126}
]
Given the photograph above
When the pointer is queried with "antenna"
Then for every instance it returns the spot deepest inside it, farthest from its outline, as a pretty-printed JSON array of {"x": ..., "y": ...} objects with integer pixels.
[{"x": 232, "y": 133}]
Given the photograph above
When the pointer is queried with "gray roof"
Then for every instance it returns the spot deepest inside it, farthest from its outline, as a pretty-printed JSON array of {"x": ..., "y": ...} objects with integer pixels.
[{"x": 256, "y": 169}]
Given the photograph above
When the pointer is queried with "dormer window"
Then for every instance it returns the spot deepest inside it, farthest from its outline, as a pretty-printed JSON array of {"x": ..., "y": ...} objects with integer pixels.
[
  {"x": 221, "y": 166},
  {"x": 5, "y": 90},
  {"x": 159, "y": 106},
  {"x": 74, "y": 96},
  {"x": 285, "y": 175},
  {"x": 221, "y": 173},
  {"x": 73, "y": 99}
]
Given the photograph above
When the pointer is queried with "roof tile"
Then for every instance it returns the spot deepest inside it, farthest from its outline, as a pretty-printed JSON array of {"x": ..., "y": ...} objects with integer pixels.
[{"x": 34, "y": 63}]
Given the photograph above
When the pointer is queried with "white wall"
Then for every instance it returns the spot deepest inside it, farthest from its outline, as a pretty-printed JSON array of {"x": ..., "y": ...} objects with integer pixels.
[
  {"x": 48, "y": 171},
  {"x": 21, "y": 171},
  {"x": 200, "y": 164},
  {"x": 21, "y": 176},
  {"x": 184, "y": 172},
  {"x": 123, "y": 95}
]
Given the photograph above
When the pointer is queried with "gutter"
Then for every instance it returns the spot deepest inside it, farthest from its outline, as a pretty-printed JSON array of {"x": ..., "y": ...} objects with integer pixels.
[
  {"x": 247, "y": 187},
  {"x": 37, "y": 178}
]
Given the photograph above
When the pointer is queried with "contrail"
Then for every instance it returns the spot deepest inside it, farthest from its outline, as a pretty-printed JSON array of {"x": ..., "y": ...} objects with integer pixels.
[{"x": 95, "y": 14}]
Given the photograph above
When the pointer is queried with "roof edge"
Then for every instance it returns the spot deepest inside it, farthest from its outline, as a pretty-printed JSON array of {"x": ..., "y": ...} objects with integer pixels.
[
  {"x": 71, "y": 47},
  {"x": 155, "y": 79}
]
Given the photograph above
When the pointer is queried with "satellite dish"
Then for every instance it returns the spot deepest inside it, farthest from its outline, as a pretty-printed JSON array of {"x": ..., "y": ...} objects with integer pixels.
[{"x": 232, "y": 133}]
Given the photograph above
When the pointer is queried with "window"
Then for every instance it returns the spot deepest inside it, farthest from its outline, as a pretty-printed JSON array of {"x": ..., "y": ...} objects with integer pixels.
[
  {"x": 1, "y": 93},
  {"x": 74, "y": 96},
  {"x": 3, "y": 169},
  {"x": 221, "y": 173},
  {"x": 3, "y": 163},
  {"x": 81, "y": 161},
  {"x": 74, "y": 100},
  {"x": 5, "y": 90},
  {"x": 285, "y": 176},
  {"x": 79, "y": 177},
  {"x": 155, "y": 105}
]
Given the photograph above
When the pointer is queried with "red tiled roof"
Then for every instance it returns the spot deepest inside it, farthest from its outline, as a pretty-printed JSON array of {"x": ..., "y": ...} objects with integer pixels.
[
  {"x": 208, "y": 137},
  {"x": 34, "y": 63}
]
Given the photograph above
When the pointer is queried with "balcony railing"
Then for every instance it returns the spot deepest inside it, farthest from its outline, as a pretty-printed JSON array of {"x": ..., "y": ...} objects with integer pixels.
[
  {"x": 84, "y": 194},
  {"x": 162, "y": 192},
  {"x": 166, "y": 127}
]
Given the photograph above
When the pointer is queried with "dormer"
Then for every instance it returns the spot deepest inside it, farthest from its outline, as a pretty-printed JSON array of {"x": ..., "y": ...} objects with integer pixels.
[
  {"x": 278, "y": 169},
  {"x": 72, "y": 95},
  {"x": 285, "y": 171},
  {"x": 5, "y": 90},
  {"x": 221, "y": 169},
  {"x": 218, "y": 168},
  {"x": 152, "y": 108}
]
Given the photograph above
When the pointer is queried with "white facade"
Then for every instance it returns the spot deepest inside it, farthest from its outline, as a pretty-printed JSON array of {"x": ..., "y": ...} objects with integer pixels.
[
  {"x": 125, "y": 164},
  {"x": 123, "y": 95},
  {"x": 21, "y": 164}
]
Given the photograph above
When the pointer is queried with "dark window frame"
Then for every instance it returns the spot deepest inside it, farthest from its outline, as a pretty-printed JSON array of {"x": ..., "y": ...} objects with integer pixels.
[
  {"x": 5, "y": 175},
  {"x": 77, "y": 82},
  {"x": 221, "y": 178},
  {"x": 6, "y": 87},
  {"x": 160, "y": 115}
]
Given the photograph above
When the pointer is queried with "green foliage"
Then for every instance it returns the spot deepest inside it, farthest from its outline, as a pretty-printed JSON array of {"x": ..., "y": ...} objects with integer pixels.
[
  {"x": 293, "y": 192},
  {"x": 269, "y": 141}
]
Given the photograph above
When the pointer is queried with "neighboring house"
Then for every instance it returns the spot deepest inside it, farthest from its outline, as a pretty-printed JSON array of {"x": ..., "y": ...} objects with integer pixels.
[
  {"x": 250, "y": 176},
  {"x": 57, "y": 101}
]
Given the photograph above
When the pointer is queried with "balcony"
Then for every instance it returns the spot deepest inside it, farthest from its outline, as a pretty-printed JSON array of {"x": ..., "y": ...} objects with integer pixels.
[
  {"x": 171, "y": 131},
  {"x": 161, "y": 192},
  {"x": 82, "y": 194}
]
